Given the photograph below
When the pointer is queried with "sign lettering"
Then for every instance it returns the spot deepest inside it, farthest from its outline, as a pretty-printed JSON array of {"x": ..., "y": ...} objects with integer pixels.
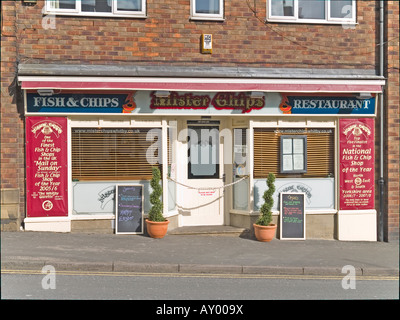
[{"x": 292, "y": 104}]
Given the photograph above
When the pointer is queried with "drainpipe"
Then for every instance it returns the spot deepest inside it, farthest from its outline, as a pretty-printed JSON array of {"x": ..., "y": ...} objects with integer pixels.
[{"x": 381, "y": 73}]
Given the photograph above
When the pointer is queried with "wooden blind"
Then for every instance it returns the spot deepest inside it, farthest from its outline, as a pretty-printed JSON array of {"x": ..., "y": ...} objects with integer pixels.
[
  {"x": 320, "y": 152},
  {"x": 111, "y": 154}
]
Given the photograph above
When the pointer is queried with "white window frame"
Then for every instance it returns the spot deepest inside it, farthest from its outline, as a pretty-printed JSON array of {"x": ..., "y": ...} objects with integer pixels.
[
  {"x": 292, "y": 154},
  {"x": 328, "y": 19},
  {"x": 206, "y": 16},
  {"x": 78, "y": 11}
]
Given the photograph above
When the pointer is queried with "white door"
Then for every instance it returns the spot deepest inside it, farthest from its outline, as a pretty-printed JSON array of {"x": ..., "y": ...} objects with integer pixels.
[{"x": 204, "y": 204}]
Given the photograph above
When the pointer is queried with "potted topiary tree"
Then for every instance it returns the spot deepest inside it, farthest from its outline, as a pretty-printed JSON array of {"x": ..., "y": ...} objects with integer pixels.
[
  {"x": 157, "y": 225},
  {"x": 263, "y": 228}
]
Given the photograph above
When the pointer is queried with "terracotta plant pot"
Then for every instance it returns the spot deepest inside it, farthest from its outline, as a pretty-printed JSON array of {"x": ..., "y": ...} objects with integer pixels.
[
  {"x": 264, "y": 233},
  {"x": 157, "y": 229}
]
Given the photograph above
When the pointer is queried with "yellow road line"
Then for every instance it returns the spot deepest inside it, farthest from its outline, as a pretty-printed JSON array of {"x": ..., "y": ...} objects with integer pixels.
[{"x": 197, "y": 275}]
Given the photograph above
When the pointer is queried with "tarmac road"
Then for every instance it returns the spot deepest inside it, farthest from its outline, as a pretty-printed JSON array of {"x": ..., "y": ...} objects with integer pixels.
[{"x": 66, "y": 285}]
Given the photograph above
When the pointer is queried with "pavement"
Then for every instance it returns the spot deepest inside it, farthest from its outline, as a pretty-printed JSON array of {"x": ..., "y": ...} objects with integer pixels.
[{"x": 188, "y": 253}]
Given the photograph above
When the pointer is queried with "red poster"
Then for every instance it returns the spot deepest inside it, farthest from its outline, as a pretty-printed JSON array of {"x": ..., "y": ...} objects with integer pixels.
[
  {"x": 46, "y": 167},
  {"x": 357, "y": 164}
]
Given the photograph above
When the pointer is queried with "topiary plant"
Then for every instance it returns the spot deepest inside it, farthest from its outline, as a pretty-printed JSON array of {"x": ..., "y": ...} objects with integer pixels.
[
  {"x": 155, "y": 213},
  {"x": 266, "y": 213}
]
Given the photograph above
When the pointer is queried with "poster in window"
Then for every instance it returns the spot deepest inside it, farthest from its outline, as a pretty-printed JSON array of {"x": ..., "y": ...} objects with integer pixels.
[
  {"x": 287, "y": 146},
  {"x": 287, "y": 163},
  {"x": 357, "y": 164},
  {"x": 46, "y": 167},
  {"x": 298, "y": 146},
  {"x": 298, "y": 162}
]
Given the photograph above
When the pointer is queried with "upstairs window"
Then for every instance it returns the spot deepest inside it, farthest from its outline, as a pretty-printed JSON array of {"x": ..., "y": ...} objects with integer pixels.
[
  {"x": 113, "y": 8},
  {"x": 312, "y": 11},
  {"x": 207, "y": 9}
]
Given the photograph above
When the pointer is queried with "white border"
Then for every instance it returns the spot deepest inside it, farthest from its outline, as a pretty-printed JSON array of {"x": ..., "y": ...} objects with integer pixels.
[
  {"x": 116, "y": 208},
  {"x": 198, "y": 80},
  {"x": 280, "y": 216}
]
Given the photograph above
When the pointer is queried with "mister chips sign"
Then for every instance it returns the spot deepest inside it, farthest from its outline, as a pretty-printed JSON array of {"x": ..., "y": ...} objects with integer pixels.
[{"x": 142, "y": 102}]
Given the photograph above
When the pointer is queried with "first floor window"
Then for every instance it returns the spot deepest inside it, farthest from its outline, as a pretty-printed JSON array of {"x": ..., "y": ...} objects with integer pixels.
[
  {"x": 207, "y": 9},
  {"x": 317, "y": 11},
  {"x": 62, "y": 4},
  {"x": 97, "y": 7}
]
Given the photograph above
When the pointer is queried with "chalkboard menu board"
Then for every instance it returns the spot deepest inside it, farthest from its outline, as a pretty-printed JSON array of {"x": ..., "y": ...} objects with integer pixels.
[
  {"x": 292, "y": 216},
  {"x": 129, "y": 209}
]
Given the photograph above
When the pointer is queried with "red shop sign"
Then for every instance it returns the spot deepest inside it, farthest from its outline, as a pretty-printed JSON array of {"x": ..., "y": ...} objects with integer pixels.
[
  {"x": 357, "y": 164},
  {"x": 46, "y": 167}
]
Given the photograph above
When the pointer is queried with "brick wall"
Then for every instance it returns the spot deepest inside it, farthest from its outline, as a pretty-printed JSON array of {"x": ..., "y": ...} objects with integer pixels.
[
  {"x": 168, "y": 36},
  {"x": 392, "y": 129},
  {"x": 12, "y": 127}
]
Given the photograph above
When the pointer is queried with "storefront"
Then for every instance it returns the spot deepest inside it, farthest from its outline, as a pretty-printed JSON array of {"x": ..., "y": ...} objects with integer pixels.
[{"x": 215, "y": 141}]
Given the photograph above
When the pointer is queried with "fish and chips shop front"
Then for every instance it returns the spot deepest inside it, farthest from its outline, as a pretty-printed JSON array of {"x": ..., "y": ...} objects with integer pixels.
[{"x": 214, "y": 140}]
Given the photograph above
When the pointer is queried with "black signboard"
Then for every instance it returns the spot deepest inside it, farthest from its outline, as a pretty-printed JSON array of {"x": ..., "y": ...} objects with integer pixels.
[
  {"x": 129, "y": 209},
  {"x": 292, "y": 216}
]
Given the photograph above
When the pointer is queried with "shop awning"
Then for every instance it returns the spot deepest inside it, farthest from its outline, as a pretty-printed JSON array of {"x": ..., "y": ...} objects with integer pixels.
[{"x": 202, "y": 84}]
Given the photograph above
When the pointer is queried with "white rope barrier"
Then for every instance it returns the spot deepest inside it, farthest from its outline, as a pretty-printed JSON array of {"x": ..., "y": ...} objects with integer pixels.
[{"x": 210, "y": 188}]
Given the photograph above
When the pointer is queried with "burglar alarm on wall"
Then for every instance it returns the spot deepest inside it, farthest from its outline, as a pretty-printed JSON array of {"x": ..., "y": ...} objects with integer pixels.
[{"x": 206, "y": 43}]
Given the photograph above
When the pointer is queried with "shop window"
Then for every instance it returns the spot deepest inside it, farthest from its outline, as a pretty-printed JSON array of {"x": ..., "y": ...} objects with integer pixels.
[
  {"x": 240, "y": 194},
  {"x": 112, "y": 154},
  {"x": 203, "y": 152},
  {"x": 317, "y": 155},
  {"x": 293, "y": 154},
  {"x": 312, "y": 11},
  {"x": 207, "y": 9},
  {"x": 97, "y": 7}
]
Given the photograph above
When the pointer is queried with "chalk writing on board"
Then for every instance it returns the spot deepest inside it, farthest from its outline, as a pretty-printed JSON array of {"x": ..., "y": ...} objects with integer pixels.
[
  {"x": 292, "y": 217},
  {"x": 129, "y": 209}
]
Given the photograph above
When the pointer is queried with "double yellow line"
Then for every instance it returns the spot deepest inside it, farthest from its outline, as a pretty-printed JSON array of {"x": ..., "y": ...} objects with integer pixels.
[{"x": 196, "y": 275}]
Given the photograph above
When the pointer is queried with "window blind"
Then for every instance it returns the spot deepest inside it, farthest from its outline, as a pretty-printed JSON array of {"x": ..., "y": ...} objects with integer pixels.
[
  {"x": 320, "y": 152},
  {"x": 111, "y": 154}
]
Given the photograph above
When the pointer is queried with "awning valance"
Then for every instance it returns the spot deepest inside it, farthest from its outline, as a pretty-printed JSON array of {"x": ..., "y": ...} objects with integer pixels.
[{"x": 201, "y": 84}]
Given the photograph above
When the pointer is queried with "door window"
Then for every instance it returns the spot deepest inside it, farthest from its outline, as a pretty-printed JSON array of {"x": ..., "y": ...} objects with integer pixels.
[{"x": 203, "y": 152}]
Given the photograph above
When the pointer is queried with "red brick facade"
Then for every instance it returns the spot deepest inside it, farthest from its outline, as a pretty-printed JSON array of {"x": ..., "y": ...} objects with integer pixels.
[
  {"x": 392, "y": 128},
  {"x": 169, "y": 37}
]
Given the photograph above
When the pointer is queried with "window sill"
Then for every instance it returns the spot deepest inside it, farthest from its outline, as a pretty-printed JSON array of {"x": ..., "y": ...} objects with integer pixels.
[
  {"x": 98, "y": 14},
  {"x": 207, "y": 19},
  {"x": 313, "y": 21}
]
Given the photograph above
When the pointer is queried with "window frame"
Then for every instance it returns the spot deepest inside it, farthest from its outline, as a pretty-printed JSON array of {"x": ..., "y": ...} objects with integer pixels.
[
  {"x": 114, "y": 11},
  {"x": 207, "y": 16},
  {"x": 293, "y": 137},
  {"x": 327, "y": 20}
]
